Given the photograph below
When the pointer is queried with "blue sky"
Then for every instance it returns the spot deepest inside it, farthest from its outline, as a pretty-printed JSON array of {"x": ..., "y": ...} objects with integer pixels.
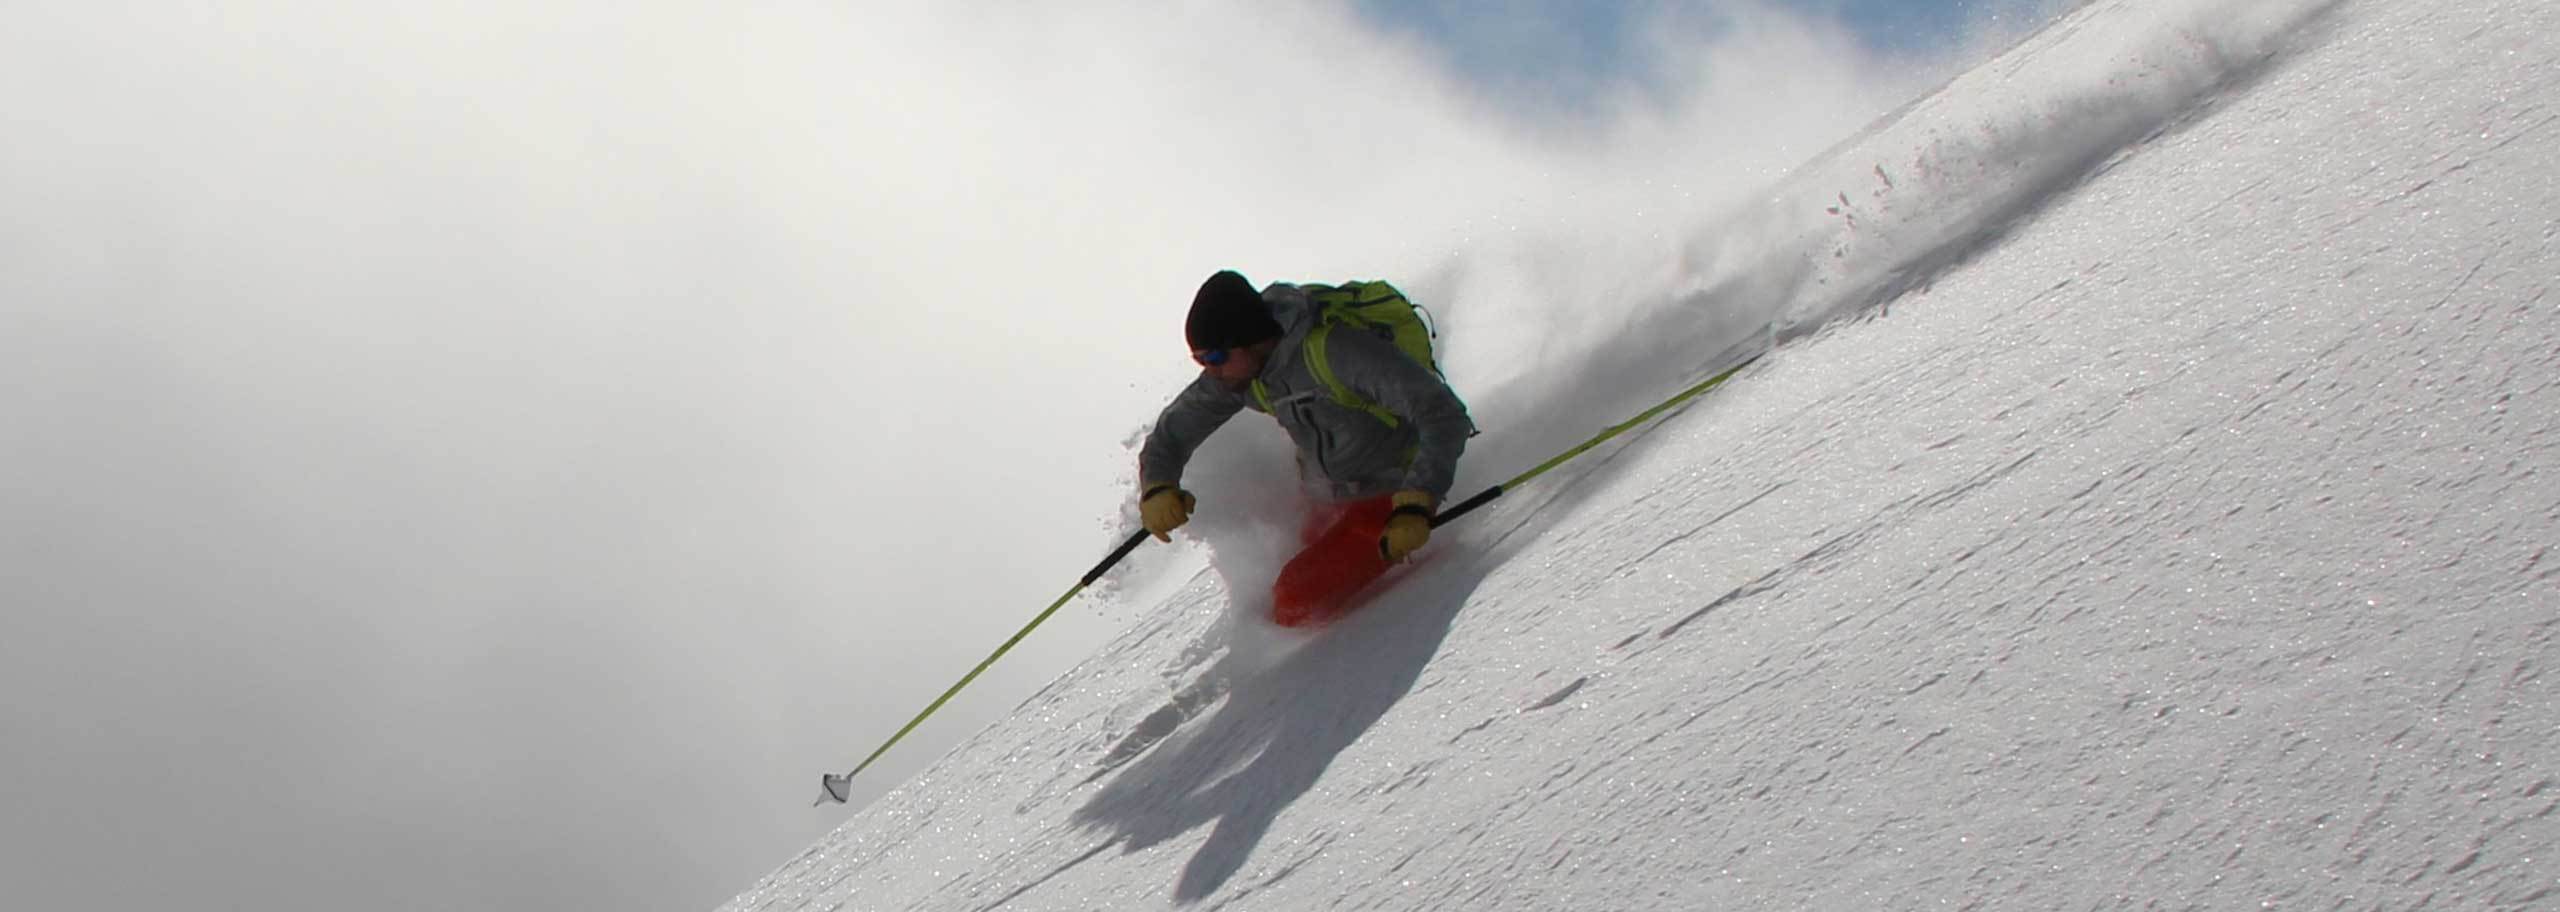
[{"x": 1566, "y": 49}]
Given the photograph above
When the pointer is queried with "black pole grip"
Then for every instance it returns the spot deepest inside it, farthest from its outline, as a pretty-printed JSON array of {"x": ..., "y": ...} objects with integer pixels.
[
  {"x": 1451, "y": 515},
  {"x": 1135, "y": 539}
]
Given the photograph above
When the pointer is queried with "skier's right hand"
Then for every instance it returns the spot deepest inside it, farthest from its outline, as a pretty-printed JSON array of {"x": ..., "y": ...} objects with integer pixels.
[{"x": 1164, "y": 508}]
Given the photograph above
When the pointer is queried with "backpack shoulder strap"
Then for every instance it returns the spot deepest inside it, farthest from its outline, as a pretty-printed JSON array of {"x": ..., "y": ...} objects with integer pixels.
[{"x": 1322, "y": 367}]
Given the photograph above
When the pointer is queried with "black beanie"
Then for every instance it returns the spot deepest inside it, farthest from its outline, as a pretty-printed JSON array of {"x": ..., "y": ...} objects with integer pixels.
[{"x": 1228, "y": 313}]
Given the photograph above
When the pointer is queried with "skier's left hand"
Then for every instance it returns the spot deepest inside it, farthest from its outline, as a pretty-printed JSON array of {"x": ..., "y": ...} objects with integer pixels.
[{"x": 1408, "y": 528}]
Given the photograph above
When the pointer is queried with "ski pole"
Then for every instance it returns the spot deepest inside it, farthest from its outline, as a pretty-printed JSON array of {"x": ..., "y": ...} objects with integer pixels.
[
  {"x": 839, "y": 787},
  {"x": 1489, "y": 494}
]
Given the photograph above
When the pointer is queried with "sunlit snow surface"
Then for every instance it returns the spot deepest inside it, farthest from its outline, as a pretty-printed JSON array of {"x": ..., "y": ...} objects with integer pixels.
[{"x": 2174, "y": 535}]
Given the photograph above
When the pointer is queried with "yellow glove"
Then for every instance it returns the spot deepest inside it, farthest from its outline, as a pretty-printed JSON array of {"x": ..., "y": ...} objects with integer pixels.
[
  {"x": 1408, "y": 528},
  {"x": 1164, "y": 508}
]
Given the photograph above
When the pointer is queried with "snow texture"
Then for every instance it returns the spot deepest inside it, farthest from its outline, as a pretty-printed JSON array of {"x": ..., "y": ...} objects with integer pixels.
[{"x": 2149, "y": 505}]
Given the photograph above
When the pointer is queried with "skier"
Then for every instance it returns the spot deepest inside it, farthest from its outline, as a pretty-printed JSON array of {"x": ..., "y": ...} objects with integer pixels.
[{"x": 1378, "y": 432}]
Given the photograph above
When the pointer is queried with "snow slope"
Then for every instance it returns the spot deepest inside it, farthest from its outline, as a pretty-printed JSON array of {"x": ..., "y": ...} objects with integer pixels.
[{"x": 2176, "y": 535}]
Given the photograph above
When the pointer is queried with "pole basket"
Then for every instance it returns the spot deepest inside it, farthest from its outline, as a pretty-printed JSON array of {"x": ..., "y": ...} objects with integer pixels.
[{"x": 833, "y": 787}]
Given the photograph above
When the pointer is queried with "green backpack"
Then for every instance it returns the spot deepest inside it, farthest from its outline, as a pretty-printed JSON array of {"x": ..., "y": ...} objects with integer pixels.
[{"x": 1373, "y": 307}]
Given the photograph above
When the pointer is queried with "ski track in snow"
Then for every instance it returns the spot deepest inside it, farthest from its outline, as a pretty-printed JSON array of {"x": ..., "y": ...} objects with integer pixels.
[{"x": 2180, "y": 540}]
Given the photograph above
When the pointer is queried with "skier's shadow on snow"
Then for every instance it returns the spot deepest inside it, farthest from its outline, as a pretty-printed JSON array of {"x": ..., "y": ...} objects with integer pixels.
[{"x": 1269, "y": 743}]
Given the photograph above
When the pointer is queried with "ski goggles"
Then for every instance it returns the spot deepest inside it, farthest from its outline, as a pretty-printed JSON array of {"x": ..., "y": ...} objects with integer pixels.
[{"x": 1211, "y": 358}]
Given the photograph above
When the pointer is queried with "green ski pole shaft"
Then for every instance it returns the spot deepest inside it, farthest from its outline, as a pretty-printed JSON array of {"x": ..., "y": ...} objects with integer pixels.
[
  {"x": 1135, "y": 539},
  {"x": 1489, "y": 494}
]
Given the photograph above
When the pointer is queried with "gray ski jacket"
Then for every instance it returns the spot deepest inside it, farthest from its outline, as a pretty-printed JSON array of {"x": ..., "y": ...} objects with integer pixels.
[{"x": 1343, "y": 453}]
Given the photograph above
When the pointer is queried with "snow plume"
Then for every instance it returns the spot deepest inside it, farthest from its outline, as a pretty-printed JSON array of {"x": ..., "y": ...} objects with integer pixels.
[{"x": 1606, "y": 316}]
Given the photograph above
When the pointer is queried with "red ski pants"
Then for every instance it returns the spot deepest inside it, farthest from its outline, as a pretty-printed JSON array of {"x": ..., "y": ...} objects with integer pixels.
[{"x": 1341, "y": 557}]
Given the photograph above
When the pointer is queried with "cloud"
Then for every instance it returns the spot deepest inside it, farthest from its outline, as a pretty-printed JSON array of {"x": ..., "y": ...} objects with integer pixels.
[{"x": 493, "y": 455}]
